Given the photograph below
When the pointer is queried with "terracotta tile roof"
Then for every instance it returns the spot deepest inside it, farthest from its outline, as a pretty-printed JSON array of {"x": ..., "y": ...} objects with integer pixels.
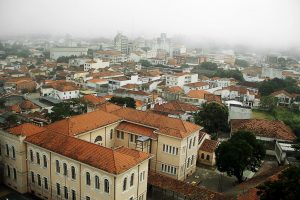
[
  {"x": 175, "y": 107},
  {"x": 175, "y": 89},
  {"x": 82, "y": 123},
  {"x": 106, "y": 74},
  {"x": 136, "y": 129},
  {"x": 26, "y": 129},
  {"x": 213, "y": 98},
  {"x": 93, "y": 99},
  {"x": 197, "y": 84},
  {"x": 62, "y": 85},
  {"x": 282, "y": 92},
  {"x": 14, "y": 108},
  {"x": 112, "y": 161},
  {"x": 109, "y": 107},
  {"x": 187, "y": 190},
  {"x": 239, "y": 89},
  {"x": 264, "y": 128},
  {"x": 27, "y": 105},
  {"x": 97, "y": 80},
  {"x": 139, "y": 103},
  {"x": 133, "y": 92},
  {"x": 209, "y": 145},
  {"x": 165, "y": 125},
  {"x": 197, "y": 94},
  {"x": 130, "y": 86}
]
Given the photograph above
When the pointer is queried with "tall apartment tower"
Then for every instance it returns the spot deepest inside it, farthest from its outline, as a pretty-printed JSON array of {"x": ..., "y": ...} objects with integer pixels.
[{"x": 121, "y": 43}]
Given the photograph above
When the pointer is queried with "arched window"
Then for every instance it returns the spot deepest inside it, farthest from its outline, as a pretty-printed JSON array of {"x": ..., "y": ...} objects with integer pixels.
[
  {"x": 38, "y": 161},
  {"x": 45, "y": 160},
  {"x": 57, "y": 166},
  {"x": 97, "y": 182},
  {"x": 7, "y": 150},
  {"x": 124, "y": 184},
  {"x": 8, "y": 171},
  {"x": 88, "y": 178},
  {"x": 207, "y": 157},
  {"x": 73, "y": 172},
  {"x": 65, "y": 169},
  {"x": 202, "y": 155},
  {"x": 13, "y": 152},
  {"x": 131, "y": 179},
  {"x": 31, "y": 156},
  {"x": 98, "y": 139},
  {"x": 15, "y": 174},
  {"x": 106, "y": 186}
]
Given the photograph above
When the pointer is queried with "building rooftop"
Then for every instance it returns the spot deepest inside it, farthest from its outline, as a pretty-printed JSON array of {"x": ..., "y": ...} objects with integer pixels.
[
  {"x": 165, "y": 125},
  {"x": 264, "y": 128},
  {"x": 114, "y": 161},
  {"x": 82, "y": 123},
  {"x": 26, "y": 129},
  {"x": 137, "y": 129},
  {"x": 209, "y": 145}
]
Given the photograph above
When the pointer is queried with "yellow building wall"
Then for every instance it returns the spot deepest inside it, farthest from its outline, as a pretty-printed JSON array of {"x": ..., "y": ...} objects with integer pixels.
[{"x": 18, "y": 163}]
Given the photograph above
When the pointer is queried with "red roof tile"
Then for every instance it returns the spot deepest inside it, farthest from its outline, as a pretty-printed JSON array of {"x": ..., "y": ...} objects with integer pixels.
[
  {"x": 209, "y": 145},
  {"x": 136, "y": 129},
  {"x": 82, "y": 123},
  {"x": 264, "y": 128},
  {"x": 26, "y": 129},
  {"x": 107, "y": 159}
]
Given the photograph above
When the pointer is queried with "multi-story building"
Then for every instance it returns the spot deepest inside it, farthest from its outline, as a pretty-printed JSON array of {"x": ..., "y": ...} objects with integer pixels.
[
  {"x": 112, "y": 56},
  {"x": 67, "y": 167},
  {"x": 67, "y": 51},
  {"x": 60, "y": 90},
  {"x": 181, "y": 79},
  {"x": 121, "y": 43},
  {"x": 95, "y": 64}
]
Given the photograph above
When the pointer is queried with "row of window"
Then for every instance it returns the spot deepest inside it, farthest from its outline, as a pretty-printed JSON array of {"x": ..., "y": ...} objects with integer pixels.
[
  {"x": 120, "y": 134},
  {"x": 38, "y": 159},
  {"x": 207, "y": 156},
  {"x": 13, "y": 151},
  {"x": 8, "y": 172},
  {"x": 66, "y": 192},
  {"x": 192, "y": 142},
  {"x": 97, "y": 182},
  {"x": 65, "y": 169},
  {"x": 190, "y": 161},
  {"x": 39, "y": 180},
  {"x": 125, "y": 182},
  {"x": 170, "y": 149},
  {"x": 168, "y": 169}
]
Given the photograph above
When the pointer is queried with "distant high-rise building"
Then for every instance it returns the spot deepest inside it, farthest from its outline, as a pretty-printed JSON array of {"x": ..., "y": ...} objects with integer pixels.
[{"x": 121, "y": 43}]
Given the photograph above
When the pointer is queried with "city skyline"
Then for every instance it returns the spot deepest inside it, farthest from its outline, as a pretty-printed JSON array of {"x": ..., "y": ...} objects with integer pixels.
[{"x": 256, "y": 23}]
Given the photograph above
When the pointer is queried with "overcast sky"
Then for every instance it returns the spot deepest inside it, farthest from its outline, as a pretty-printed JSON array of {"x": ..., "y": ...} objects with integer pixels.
[{"x": 260, "y": 22}]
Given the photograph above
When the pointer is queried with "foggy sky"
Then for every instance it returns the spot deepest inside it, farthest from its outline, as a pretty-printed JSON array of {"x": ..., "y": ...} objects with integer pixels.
[{"x": 254, "y": 22}]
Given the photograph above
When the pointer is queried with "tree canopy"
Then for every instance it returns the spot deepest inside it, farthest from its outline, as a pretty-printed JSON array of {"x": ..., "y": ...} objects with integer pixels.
[
  {"x": 269, "y": 86},
  {"x": 145, "y": 63},
  {"x": 287, "y": 187},
  {"x": 65, "y": 59},
  {"x": 241, "y": 63},
  {"x": 242, "y": 151},
  {"x": 67, "y": 109},
  {"x": 213, "y": 117},
  {"x": 121, "y": 101}
]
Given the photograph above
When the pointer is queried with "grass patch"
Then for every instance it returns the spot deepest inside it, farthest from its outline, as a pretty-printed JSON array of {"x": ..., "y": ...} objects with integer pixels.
[{"x": 257, "y": 114}]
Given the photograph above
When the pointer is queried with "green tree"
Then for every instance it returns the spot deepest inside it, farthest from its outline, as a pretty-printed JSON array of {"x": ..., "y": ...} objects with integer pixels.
[
  {"x": 11, "y": 120},
  {"x": 268, "y": 102},
  {"x": 145, "y": 63},
  {"x": 287, "y": 187},
  {"x": 67, "y": 109},
  {"x": 121, "y": 101},
  {"x": 242, "y": 151},
  {"x": 270, "y": 86},
  {"x": 213, "y": 117},
  {"x": 241, "y": 63},
  {"x": 207, "y": 65}
]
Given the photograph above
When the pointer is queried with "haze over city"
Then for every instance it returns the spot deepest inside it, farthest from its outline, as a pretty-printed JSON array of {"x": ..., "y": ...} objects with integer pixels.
[
  {"x": 150, "y": 99},
  {"x": 268, "y": 23}
]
